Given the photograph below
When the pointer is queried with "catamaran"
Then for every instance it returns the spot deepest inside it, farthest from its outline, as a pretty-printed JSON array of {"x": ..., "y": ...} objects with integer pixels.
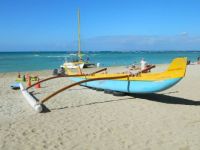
[{"x": 77, "y": 60}]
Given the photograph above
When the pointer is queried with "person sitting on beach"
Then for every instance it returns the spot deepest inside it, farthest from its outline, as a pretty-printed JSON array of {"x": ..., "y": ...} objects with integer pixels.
[
  {"x": 133, "y": 65},
  {"x": 61, "y": 71}
]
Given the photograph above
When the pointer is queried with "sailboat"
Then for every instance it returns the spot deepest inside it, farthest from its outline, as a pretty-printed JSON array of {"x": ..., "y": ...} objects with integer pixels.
[{"x": 76, "y": 60}]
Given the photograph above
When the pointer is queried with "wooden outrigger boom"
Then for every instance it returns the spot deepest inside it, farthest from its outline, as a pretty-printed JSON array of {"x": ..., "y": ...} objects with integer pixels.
[
  {"x": 62, "y": 76},
  {"x": 78, "y": 83}
]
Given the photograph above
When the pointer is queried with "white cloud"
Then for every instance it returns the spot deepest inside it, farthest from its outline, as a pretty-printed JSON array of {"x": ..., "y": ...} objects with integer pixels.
[
  {"x": 137, "y": 42},
  {"x": 184, "y": 34}
]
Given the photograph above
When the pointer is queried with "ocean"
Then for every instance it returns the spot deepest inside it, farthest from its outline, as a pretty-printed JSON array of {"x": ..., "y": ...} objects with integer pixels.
[{"x": 31, "y": 61}]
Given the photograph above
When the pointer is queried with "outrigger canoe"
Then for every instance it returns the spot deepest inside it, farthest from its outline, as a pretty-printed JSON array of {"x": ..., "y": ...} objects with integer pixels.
[
  {"x": 118, "y": 82},
  {"x": 141, "y": 83}
]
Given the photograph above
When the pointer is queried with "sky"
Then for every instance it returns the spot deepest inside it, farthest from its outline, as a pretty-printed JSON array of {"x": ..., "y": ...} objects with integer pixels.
[{"x": 51, "y": 25}]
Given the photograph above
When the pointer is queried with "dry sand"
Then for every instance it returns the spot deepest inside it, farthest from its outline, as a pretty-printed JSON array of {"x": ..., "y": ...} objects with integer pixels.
[{"x": 85, "y": 119}]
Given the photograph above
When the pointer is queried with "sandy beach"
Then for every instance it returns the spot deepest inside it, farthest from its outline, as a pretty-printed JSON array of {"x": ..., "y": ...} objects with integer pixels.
[{"x": 86, "y": 119}]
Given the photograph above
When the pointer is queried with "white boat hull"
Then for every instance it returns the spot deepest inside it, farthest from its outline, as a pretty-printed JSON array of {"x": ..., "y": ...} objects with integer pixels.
[{"x": 72, "y": 65}]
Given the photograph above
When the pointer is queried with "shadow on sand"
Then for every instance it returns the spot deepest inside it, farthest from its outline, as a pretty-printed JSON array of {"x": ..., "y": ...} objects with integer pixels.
[
  {"x": 166, "y": 99},
  {"x": 161, "y": 98},
  {"x": 93, "y": 103},
  {"x": 45, "y": 109}
]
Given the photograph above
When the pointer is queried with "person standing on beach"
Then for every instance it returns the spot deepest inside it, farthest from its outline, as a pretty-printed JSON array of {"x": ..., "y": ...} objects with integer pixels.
[
  {"x": 198, "y": 60},
  {"x": 143, "y": 64}
]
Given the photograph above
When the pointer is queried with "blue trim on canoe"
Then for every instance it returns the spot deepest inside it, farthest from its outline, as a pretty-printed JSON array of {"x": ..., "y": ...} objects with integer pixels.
[{"x": 131, "y": 86}]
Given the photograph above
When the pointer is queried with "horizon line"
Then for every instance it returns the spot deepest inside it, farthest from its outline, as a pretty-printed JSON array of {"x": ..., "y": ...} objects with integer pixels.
[{"x": 102, "y": 51}]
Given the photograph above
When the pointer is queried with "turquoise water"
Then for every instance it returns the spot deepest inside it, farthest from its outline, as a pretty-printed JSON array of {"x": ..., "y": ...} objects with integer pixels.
[{"x": 30, "y": 61}]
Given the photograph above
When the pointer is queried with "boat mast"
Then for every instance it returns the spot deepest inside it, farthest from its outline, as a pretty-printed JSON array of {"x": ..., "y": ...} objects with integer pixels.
[{"x": 79, "y": 38}]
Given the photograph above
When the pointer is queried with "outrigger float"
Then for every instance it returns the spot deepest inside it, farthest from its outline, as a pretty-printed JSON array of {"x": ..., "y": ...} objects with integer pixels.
[{"x": 119, "y": 82}]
